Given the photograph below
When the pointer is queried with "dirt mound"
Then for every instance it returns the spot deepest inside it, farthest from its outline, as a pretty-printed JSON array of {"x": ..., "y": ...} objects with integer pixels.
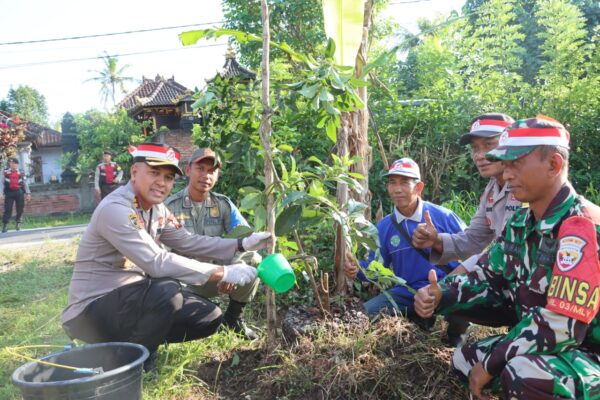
[{"x": 390, "y": 359}]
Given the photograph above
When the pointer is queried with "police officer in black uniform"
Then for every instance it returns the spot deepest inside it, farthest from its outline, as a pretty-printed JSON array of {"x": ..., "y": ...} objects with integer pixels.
[
  {"x": 107, "y": 177},
  {"x": 15, "y": 190}
]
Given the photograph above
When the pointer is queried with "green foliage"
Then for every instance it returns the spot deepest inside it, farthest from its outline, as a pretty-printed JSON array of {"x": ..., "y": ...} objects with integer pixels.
[
  {"x": 305, "y": 37},
  {"x": 344, "y": 26},
  {"x": 27, "y": 103},
  {"x": 463, "y": 204},
  {"x": 304, "y": 198},
  {"x": 98, "y": 131},
  {"x": 520, "y": 58}
]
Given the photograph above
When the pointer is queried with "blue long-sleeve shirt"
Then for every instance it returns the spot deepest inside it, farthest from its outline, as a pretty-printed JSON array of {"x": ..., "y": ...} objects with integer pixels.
[{"x": 399, "y": 255}]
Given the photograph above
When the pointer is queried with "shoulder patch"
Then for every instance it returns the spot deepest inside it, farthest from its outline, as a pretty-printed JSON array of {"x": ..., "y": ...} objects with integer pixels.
[
  {"x": 214, "y": 211},
  {"x": 574, "y": 289},
  {"x": 135, "y": 221},
  {"x": 173, "y": 220},
  {"x": 570, "y": 252}
]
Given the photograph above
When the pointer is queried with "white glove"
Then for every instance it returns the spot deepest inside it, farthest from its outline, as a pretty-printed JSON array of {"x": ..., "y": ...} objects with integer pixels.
[
  {"x": 256, "y": 241},
  {"x": 238, "y": 274}
]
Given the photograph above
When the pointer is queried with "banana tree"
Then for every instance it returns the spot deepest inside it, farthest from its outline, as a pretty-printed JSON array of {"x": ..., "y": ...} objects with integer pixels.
[{"x": 347, "y": 23}]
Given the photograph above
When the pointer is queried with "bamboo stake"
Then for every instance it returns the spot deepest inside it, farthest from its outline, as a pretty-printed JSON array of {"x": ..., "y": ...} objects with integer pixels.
[{"x": 264, "y": 132}]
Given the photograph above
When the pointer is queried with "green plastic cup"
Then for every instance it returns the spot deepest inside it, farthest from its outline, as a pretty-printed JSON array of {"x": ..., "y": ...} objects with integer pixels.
[{"x": 275, "y": 271}]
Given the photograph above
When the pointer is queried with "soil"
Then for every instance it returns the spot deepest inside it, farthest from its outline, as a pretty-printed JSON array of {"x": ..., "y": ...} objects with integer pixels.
[{"x": 307, "y": 321}]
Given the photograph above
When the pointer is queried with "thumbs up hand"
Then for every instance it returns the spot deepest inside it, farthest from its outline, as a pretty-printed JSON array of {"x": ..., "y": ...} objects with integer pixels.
[
  {"x": 426, "y": 235},
  {"x": 428, "y": 298}
]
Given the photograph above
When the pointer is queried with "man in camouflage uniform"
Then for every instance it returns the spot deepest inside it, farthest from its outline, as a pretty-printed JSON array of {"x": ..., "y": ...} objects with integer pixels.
[
  {"x": 545, "y": 269},
  {"x": 204, "y": 212}
]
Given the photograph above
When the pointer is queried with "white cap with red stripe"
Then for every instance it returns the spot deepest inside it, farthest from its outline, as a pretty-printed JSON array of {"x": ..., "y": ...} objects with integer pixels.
[
  {"x": 156, "y": 155},
  {"x": 405, "y": 167},
  {"x": 487, "y": 125},
  {"x": 525, "y": 135}
]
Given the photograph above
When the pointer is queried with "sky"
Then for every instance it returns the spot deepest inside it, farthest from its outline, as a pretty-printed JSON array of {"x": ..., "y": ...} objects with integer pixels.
[{"x": 59, "y": 69}]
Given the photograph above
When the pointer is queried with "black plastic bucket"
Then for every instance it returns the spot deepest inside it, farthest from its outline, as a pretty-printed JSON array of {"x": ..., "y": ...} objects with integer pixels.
[{"x": 119, "y": 379}]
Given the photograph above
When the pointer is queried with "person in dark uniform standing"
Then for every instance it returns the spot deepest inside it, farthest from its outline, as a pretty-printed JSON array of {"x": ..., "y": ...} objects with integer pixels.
[
  {"x": 16, "y": 191},
  {"x": 107, "y": 176}
]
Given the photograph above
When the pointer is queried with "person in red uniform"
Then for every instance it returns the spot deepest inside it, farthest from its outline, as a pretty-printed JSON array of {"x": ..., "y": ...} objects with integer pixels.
[
  {"x": 15, "y": 191},
  {"x": 107, "y": 177}
]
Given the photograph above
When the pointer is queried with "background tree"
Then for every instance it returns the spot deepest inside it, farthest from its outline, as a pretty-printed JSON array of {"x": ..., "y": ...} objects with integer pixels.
[
  {"x": 456, "y": 68},
  {"x": 27, "y": 103},
  {"x": 570, "y": 83},
  {"x": 98, "y": 131},
  {"x": 298, "y": 23},
  {"x": 11, "y": 133},
  {"x": 111, "y": 79}
]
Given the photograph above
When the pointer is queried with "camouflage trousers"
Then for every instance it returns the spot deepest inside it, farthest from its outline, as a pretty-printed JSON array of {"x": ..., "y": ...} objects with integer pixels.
[{"x": 571, "y": 374}]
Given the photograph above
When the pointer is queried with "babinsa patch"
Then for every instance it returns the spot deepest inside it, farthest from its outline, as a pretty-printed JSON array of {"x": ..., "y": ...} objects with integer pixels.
[
  {"x": 570, "y": 252},
  {"x": 574, "y": 289}
]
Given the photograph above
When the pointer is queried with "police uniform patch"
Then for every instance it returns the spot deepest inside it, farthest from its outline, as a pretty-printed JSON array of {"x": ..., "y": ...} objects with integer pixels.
[
  {"x": 183, "y": 217},
  {"x": 172, "y": 220},
  {"x": 214, "y": 212},
  {"x": 134, "y": 220},
  {"x": 395, "y": 240},
  {"x": 127, "y": 264}
]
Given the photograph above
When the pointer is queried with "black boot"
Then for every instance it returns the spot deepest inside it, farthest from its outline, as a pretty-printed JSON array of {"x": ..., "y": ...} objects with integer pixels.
[
  {"x": 5, "y": 227},
  {"x": 234, "y": 321},
  {"x": 18, "y": 226},
  {"x": 149, "y": 364},
  {"x": 425, "y": 324},
  {"x": 457, "y": 333}
]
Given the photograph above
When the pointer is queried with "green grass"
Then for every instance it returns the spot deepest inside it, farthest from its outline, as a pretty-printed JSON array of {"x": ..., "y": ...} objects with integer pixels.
[
  {"x": 53, "y": 221},
  {"x": 464, "y": 204},
  {"x": 392, "y": 359},
  {"x": 34, "y": 286}
]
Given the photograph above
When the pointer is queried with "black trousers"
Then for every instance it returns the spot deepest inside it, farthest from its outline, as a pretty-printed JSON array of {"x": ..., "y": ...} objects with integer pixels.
[
  {"x": 150, "y": 312},
  {"x": 105, "y": 190},
  {"x": 11, "y": 197},
  {"x": 494, "y": 317}
]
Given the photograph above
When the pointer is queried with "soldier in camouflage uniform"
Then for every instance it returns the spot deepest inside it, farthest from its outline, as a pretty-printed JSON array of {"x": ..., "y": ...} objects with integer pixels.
[
  {"x": 204, "y": 212},
  {"x": 545, "y": 269}
]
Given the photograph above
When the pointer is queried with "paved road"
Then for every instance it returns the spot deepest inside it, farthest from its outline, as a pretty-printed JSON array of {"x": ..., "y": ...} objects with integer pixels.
[{"x": 39, "y": 236}]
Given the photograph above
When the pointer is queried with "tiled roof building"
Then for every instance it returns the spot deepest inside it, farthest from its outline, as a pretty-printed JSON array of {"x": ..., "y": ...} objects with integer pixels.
[
  {"x": 155, "y": 93},
  {"x": 168, "y": 106},
  {"x": 233, "y": 69}
]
